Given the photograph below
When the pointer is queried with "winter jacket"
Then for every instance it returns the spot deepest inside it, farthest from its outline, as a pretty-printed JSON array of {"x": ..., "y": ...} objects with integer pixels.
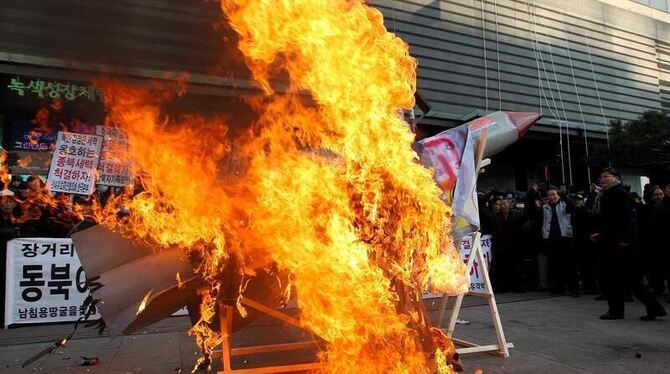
[
  {"x": 616, "y": 223},
  {"x": 564, "y": 219}
]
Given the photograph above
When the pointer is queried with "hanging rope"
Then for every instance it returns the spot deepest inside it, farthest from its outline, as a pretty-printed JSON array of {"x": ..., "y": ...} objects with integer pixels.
[
  {"x": 579, "y": 102},
  {"x": 543, "y": 93},
  {"x": 595, "y": 84},
  {"x": 540, "y": 89},
  {"x": 560, "y": 98},
  {"x": 556, "y": 114},
  {"x": 486, "y": 69},
  {"x": 495, "y": 5},
  {"x": 544, "y": 70}
]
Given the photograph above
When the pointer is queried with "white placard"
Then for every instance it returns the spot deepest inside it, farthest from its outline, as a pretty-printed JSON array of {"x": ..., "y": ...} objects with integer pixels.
[
  {"x": 45, "y": 282},
  {"x": 114, "y": 169},
  {"x": 74, "y": 163},
  {"x": 477, "y": 283}
]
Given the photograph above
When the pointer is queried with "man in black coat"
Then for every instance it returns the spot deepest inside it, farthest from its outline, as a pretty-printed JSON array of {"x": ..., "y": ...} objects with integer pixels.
[
  {"x": 617, "y": 237},
  {"x": 507, "y": 256},
  {"x": 658, "y": 221},
  {"x": 585, "y": 251}
]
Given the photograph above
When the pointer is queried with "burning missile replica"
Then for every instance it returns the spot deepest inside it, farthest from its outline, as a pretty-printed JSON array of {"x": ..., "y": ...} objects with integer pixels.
[
  {"x": 132, "y": 297},
  {"x": 320, "y": 200},
  {"x": 457, "y": 155}
]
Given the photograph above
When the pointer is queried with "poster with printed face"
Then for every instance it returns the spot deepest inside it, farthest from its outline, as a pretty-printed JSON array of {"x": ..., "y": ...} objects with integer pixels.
[
  {"x": 74, "y": 163},
  {"x": 114, "y": 167},
  {"x": 45, "y": 282}
]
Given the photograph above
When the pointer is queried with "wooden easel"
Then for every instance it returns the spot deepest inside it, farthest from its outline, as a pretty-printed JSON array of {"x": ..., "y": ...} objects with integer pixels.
[
  {"x": 502, "y": 347},
  {"x": 227, "y": 351}
]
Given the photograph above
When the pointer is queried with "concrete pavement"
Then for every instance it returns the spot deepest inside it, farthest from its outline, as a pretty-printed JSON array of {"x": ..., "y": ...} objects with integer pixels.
[{"x": 550, "y": 335}]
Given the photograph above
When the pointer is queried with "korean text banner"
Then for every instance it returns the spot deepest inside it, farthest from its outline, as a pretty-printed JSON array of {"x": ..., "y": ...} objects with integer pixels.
[
  {"x": 74, "y": 163},
  {"x": 45, "y": 282},
  {"x": 477, "y": 282},
  {"x": 113, "y": 169}
]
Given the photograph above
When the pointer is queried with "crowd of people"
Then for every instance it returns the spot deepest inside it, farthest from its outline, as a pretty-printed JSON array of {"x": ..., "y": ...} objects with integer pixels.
[
  {"x": 28, "y": 209},
  {"x": 605, "y": 241}
]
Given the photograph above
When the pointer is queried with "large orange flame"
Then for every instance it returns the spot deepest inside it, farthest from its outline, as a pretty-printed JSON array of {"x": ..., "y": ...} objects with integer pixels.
[
  {"x": 4, "y": 170},
  {"x": 325, "y": 185}
]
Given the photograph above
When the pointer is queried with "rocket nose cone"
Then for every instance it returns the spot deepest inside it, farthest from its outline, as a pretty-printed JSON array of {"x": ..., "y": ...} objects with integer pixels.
[{"x": 523, "y": 120}]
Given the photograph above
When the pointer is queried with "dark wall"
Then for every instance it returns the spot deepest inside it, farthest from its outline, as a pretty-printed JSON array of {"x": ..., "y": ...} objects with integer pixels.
[{"x": 148, "y": 34}]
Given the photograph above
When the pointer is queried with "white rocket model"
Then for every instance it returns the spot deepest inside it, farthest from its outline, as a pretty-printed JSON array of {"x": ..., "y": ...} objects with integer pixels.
[
  {"x": 456, "y": 156},
  {"x": 502, "y": 129}
]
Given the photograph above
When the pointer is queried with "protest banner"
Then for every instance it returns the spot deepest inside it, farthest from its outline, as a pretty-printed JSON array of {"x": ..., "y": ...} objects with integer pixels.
[
  {"x": 114, "y": 168},
  {"x": 477, "y": 281},
  {"x": 74, "y": 163},
  {"x": 53, "y": 89},
  {"x": 45, "y": 282},
  {"x": 480, "y": 286},
  {"x": 27, "y": 136}
]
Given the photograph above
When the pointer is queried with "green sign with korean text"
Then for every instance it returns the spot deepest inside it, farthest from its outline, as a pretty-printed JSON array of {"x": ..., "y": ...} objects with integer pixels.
[{"x": 53, "y": 89}]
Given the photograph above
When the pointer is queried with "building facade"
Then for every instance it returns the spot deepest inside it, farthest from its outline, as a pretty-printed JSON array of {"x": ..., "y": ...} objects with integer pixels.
[{"x": 580, "y": 63}]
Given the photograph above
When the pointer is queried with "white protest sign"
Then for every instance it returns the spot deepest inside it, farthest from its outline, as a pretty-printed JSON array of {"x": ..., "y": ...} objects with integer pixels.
[
  {"x": 477, "y": 283},
  {"x": 74, "y": 163},
  {"x": 114, "y": 168},
  {"x": 45, "y": 282}
]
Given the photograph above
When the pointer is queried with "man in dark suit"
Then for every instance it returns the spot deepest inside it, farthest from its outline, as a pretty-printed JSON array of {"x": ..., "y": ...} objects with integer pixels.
[
  {"x": 507, "y": 259},
  {"x": 617, "y": 236}
]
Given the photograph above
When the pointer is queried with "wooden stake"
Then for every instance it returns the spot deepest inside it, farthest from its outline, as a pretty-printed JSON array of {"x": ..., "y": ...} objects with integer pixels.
[
  {"x": 226, "y": 317},
  {"x": 226, "y": 313},
  {"x": 502, "y": 347},
  {"x": 493, "y": 307},
  {"x": 269, "y": 311}
]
